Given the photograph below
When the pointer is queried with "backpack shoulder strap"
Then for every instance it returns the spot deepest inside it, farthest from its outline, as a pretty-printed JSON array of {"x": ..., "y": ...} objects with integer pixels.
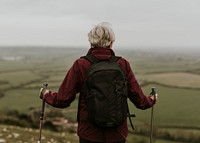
[
  {"x": 92, "y": 59},
  {"x": 114, "y": 58}
]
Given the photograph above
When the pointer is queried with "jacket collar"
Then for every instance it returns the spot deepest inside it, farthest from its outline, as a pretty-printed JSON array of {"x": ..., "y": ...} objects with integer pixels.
[{"x": 102, "y": 53}]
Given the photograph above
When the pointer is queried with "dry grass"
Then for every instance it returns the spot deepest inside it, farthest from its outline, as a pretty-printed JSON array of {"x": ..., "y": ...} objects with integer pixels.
[{"x": 12, "y": 134}]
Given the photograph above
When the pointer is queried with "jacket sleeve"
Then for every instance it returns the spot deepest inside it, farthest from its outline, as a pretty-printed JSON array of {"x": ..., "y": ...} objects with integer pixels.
[
  {"x": 135, "y": 93},
  {"x": 68, "y": 89}
]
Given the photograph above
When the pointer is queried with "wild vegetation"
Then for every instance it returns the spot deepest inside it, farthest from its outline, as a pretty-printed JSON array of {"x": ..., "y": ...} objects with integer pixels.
[{"x": 23, "y": 71}]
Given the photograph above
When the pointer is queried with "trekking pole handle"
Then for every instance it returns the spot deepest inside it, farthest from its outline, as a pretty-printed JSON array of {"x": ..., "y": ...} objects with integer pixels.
[
  {"x": 45, "y": 85},
  {"x": 154, "y": 93},
  {"x": 42, "y": 89}
]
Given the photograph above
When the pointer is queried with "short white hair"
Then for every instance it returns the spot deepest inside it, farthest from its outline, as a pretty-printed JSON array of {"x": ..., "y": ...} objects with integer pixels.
[{"x": 101, "y": 35}]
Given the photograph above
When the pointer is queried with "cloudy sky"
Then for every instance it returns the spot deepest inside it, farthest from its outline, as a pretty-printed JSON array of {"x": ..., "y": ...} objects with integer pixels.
[{"x": 137, "y": 23}]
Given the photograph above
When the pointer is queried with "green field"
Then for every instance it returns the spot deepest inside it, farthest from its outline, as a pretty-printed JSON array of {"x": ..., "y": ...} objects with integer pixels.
[{"x": 175, "y": 75}]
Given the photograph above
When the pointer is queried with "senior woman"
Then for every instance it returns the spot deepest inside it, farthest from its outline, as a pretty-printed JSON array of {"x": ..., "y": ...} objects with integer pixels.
[{"x": 101, "y": 39}]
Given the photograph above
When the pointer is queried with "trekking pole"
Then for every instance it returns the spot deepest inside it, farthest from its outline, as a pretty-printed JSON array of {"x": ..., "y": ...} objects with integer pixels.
[
  {"x": 42, "y": 112},
  {"x": 153, "y": 93}
]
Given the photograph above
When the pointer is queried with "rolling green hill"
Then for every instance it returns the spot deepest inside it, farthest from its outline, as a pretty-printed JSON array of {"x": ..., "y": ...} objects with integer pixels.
[{"x": 176, "y": 77}]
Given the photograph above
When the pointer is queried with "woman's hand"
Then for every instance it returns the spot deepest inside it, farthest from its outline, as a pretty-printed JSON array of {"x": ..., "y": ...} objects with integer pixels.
[
  {"x": 43, "y": 92},
  {"x": 152, "y": 98}
]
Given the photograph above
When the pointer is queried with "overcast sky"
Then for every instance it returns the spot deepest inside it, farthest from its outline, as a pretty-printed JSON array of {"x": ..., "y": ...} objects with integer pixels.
[{"x": 136, "y": 23}]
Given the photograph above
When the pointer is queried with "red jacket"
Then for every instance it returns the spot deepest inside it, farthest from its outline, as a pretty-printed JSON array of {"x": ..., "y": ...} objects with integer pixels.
[{"x": 73, "y": 83}]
